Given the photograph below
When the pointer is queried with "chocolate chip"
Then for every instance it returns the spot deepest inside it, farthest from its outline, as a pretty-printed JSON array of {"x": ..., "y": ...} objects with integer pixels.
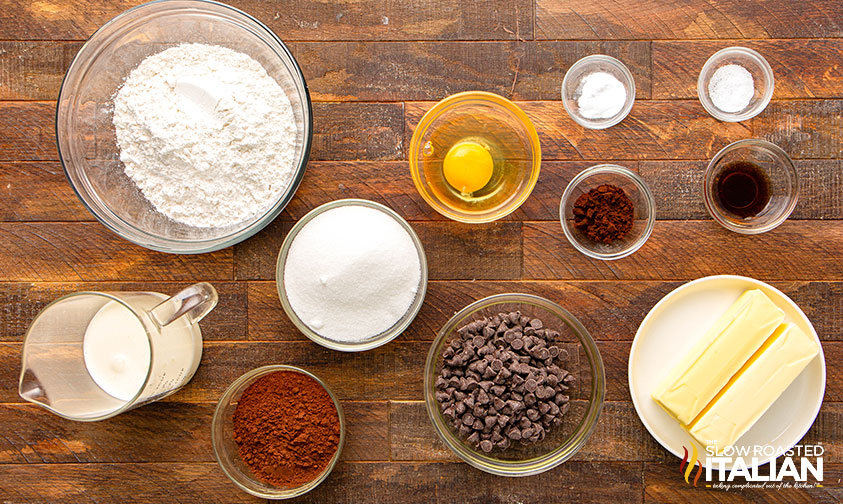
[
  {"x": 499, "y": 381},
  {"x": 483, "y": 397}
]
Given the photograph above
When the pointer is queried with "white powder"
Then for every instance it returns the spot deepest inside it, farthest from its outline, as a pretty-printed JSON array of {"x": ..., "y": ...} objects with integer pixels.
[
  {"x": 602, "y": 96},
  {"x": 206, "y": 134},
  {"x": 352, "y": 273},
  {"x": 731, "y": 88}
]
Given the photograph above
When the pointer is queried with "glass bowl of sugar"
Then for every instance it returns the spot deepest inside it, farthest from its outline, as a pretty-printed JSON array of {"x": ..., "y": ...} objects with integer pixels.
[
  {"x": 184, "y": 126},
  {"x": 735, "y": 84},
  {"x": 351, "y": 275},
  {"x": 598, "y": 91}
]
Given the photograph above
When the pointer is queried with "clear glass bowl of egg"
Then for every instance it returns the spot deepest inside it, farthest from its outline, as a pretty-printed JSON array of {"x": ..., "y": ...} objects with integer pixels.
[{"x": 475, "y": 157}]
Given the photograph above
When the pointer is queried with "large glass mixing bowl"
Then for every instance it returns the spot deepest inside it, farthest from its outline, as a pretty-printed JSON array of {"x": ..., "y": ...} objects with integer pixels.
[{"x": 85, "y": 133}]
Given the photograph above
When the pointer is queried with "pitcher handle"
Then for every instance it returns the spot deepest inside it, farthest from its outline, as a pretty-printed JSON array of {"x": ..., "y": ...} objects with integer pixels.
[{"x": 195, "y": 302}]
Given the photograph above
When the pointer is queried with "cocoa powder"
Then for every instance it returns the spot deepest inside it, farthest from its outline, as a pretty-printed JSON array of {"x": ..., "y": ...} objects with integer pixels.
[
  {"x": 286, "y": 428},
  {"x": 605, "y": 213}
]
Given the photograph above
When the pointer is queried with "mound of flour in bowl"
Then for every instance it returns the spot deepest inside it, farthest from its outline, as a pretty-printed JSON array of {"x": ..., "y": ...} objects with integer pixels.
[{"x": 206, "y": 134}]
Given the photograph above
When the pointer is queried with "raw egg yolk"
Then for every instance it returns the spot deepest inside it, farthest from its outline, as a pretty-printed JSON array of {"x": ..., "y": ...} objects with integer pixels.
[{"x": 468, "y": 167}]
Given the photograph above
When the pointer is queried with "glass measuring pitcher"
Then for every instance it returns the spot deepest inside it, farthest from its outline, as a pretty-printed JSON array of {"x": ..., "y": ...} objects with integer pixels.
[{"x": 92, "y": 355}]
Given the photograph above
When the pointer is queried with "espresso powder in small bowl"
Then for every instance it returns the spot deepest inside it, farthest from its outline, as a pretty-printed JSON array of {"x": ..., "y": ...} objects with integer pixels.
[
  {"x": 278, "y": 432},
  {"x": 604, "y": 214},
  {"x": 607, "y": 212}
]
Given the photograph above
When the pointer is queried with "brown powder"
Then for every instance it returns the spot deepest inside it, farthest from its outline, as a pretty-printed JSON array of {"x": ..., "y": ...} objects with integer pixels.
[
  {"x": 286, "y": 428},
  {"x": 605, "y": 213}
]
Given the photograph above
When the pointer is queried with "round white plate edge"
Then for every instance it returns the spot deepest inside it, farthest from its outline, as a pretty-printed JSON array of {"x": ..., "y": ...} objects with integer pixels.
[{"x": 695, "y": 283}]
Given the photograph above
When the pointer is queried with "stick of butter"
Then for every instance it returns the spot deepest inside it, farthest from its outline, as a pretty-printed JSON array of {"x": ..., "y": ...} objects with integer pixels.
[
  {"x": 718, "y": 355},
  {"x": 754, "y": 388}
]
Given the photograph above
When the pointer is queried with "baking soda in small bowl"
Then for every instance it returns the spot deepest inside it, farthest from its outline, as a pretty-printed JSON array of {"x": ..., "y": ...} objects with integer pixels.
[{"x": 352, "y": 273}]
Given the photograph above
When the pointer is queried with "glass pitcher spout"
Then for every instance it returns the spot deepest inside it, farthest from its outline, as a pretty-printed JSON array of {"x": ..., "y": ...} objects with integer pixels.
[{"x": 30, "y": 389}]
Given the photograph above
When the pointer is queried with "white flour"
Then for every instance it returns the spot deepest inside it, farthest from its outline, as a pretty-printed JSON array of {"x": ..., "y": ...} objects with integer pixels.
[{"x": 206, "y": 134}]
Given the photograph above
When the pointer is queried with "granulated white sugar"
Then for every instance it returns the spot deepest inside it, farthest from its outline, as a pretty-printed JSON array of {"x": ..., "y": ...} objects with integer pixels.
[
  {"x": 731, "y": 88},
  {"x": 351, "y": 273}
]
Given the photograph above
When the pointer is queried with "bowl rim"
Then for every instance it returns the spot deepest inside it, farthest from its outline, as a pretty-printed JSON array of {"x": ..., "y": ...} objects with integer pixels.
[
  {"x": 766, "y": 71},
  {"x": 562, "y": 453},
  {"x": 176, "y": 246},
  {"x": 451, "y": 102},
  {"x": 384, "y": 337},
  {"x": 629, "y": 86},
  {"x": 707, "y": 181},
  {"x": 248, "y": 378},
  {"x": 643, "y": 188}
]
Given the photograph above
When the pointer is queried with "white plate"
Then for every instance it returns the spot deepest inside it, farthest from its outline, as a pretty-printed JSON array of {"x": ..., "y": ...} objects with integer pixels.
[{"x": 676, "y": 323}]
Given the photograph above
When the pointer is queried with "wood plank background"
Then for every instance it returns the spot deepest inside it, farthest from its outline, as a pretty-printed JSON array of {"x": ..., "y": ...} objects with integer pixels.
[{"x": 374, "y": 67}]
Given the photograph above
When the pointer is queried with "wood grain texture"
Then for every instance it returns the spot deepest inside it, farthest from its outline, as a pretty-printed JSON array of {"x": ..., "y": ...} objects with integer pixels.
[
  {"x": 630, "y": 302},
  {"x": 305, "y": 20},
  {"x": 34, "y": 70},
  {"x": 684, "y": 250},
  {"x": 343, "y": 71},
  {"x": 463, "y": 251},
  {"x": 373, "y": 68},
  {"x": 433, "y": 70},
  {"x": 342, "y": 131},
  {"x": 21, "y": 302},
  {"x": 609, "y": 310},
  {"x": 619, "y": 436},
  {"x": 802, "y": 68},
  {"x": 46, "y": 196},
  {"x": 384, "y": 482},
  {"x": 363, "y": 376},
  {"x": 654, "y": 130},
  {"x": 678, "y": 129},
  {"x": 160, "y": 432},
  {"x": 38, "y": 191},
  {"x": 389, "y": 183},
  {"x": 687, "y": 19},
  {"x": 678, "y": 187},
  {"x": 84, "y": 252}
]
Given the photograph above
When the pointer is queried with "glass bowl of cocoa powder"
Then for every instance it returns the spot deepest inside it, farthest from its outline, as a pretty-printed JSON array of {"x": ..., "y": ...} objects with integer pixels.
[
  {"x": 607, "y": 212},
  {"x": 278, "y": 432}
]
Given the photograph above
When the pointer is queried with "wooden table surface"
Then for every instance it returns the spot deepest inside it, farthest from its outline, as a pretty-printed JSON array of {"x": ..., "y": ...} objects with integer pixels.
[{"x": 373, "y": 68}]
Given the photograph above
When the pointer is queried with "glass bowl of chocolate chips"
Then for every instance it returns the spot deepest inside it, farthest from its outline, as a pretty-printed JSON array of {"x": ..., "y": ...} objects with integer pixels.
[{"x": 514, "y": 384}]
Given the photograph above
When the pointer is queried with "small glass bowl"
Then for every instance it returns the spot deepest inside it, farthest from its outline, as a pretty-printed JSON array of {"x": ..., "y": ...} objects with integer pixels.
[
  {"x": 637, "y": 191},
  {"x": 762, "y": 76},
  {"x": 780, "y": 172},
  {"x": 374, "y": 341},
  {"x": 586, "y": 394},
  {"x": 571, "y": 88},
  {"x": 225, "y": 448},
  {"x": 491, "y": 118},
  {"x": 86, "y": 137}
]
